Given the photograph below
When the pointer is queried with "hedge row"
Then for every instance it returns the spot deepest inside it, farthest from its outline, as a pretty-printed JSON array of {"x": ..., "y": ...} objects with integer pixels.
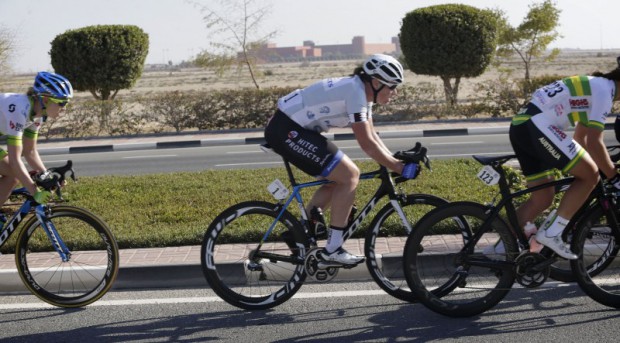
[{"x": 250, "y": 108}]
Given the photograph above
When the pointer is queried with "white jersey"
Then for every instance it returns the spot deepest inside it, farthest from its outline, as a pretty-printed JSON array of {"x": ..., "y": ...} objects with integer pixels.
[
  {"x": 584, "y": 99},
  {"x": 15, "y": 119},
  {"x": 334, "y": 102}
]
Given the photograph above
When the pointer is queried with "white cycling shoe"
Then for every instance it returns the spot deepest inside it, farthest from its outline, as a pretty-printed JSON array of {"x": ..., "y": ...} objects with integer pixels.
[
  {"x": 556, "y": 244},
  {"x": 341, "y": 256}
]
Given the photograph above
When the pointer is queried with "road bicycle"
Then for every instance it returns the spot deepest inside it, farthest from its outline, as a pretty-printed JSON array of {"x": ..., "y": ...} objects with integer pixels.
[
  {"x": 65, "y": 255},
  {"x": 283, "y": 250},
  {"x": 460, "y": 278}
]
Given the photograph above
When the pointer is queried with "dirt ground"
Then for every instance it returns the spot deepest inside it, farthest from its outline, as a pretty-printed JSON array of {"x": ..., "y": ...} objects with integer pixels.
[{"x": 304, "y": 73}]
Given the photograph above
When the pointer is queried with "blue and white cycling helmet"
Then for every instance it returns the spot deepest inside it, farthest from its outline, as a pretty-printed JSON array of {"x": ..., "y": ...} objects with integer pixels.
[
  {"x": 52, "y": 85},
  {"x": 385, "y": 68}
]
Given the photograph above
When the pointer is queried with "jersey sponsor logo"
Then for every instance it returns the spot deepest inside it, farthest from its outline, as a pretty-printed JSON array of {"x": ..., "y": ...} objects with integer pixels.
[
  {"x": 324, "y": 110},
  {"x": 579, "y": 104},
  {"x": 310, "y": 115},
  {"x": 572, "y": 148},
  {"x": 549, "y": 148},
  {"x": 16, "y": 126},
  {"x": 322, "y": 163},
  {"x": 561, "y": 135},
  {"x": 12, "y": 108},
  {"x": 303, "y": 147},
  {"x": 541, "y": 97},
  {"x": 559, "y": 110}
]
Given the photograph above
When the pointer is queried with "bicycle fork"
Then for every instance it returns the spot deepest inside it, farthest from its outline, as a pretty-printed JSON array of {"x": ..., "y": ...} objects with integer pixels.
[{"x": 52, "y": 233}]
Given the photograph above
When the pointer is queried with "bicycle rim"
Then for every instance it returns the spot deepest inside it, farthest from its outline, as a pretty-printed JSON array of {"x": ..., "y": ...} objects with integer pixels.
[
  {"x": 598, "y": 269},
  {"x": 233, "y": 270},
  {"x": 448, "y": 280},
  {"x": 90, "y": 270},
  {"x": 599, "y": 245},
  {"x": 385, "y": 242}
]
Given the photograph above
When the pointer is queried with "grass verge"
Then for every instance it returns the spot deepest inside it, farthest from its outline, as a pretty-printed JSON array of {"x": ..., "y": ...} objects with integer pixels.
[{"x": 175, "y": 209}]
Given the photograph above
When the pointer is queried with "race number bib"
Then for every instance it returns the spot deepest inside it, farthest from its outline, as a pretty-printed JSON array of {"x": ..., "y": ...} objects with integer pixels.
[
  {"x": 278, "y": 190},
  {"x": 488, "y": 176}
]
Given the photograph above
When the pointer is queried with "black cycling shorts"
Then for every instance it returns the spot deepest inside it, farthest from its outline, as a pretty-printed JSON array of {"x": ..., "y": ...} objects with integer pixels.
[
  {"x": 306, "y": 149},
  {"x": 540, "y": 151}
]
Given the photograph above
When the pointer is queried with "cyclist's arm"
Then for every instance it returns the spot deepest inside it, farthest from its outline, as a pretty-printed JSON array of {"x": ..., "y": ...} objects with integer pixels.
[
  {"x": 31, "y": 154},
  {"x": 373, "y": 146},
  {"x": 376, "y": 136},
  {"x": 17, "y": 166},
  {"x": 595, "y": 145}
]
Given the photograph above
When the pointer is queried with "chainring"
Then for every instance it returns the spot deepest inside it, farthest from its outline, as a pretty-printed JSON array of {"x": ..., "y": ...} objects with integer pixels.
[
  {"x": 314, "y": 271},
  {"x": 525, "y": 273}
]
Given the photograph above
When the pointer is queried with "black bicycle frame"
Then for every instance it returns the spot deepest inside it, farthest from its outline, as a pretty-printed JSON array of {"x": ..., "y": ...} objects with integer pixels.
[
  {"x": 386, "y": 188},
  {"x": 506, "y": 202}
]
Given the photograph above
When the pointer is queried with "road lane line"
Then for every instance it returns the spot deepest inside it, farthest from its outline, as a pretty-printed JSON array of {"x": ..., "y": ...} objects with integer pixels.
[{"x": 153, "y": 156}]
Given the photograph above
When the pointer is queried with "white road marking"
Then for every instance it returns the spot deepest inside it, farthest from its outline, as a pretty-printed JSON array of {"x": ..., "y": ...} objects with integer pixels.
[
  {"x": 457, "y": 143},
  {"x": 152, "y": 156},
  {"x": 187, "y": 300}
]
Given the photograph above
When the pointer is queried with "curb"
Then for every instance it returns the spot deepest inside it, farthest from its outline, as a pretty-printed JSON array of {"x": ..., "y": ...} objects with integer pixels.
[
  {"x": 164, "y": 276},
  {"x": 259, "y": 140}
]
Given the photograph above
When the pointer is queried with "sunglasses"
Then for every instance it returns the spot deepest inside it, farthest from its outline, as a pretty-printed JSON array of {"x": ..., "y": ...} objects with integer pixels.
[
  {"x": 391, "y": 87},
  {"x": 59, "y": 102}
]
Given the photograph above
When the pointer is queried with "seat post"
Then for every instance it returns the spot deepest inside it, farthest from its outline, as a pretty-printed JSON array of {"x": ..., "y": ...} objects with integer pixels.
[{"x": 289, "y": 171}]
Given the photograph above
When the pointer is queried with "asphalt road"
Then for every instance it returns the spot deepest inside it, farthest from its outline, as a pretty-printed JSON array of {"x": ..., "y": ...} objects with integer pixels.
[
  {"x": 342, "y": 312},
  {"x": 138, "y": 162}
]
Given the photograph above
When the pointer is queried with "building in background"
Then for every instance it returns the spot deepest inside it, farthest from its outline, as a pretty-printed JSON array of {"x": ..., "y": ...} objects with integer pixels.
[{"x": 310, "y": 51}]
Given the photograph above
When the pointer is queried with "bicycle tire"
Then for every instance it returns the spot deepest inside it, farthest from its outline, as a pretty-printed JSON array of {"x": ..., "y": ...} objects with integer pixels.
[
  {"x": 599, "y": 245},
  {"x": 91, "y": 269},
  {"x": 385, "y": 263},
  {"x": 243, "y": 280},
  {"x": 452, "y": 283},
  {"x": 597, "y": 269}
]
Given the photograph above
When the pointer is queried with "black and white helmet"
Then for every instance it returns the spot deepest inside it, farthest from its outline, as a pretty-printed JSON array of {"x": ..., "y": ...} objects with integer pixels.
[{"x": 384, "y": 68}]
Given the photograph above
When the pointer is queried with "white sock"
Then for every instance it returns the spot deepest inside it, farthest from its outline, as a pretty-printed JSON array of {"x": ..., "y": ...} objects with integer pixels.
[
  {"x": 556, "y": 227},
  {"x": 334, "y": 240}
]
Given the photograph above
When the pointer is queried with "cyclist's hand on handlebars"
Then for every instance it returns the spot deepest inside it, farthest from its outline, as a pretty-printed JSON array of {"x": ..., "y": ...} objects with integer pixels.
[
  {"x": 615, "y": 182},
  {"x": 411, "y": 170},
  {"x": 42, "y": 196}
]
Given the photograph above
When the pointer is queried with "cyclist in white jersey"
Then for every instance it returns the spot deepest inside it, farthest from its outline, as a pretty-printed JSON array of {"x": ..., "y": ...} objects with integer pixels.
[
  {"x": 21, "y": 116},
  {"x": 539, "y": 139},
  {"x": 295, "y": 133}
]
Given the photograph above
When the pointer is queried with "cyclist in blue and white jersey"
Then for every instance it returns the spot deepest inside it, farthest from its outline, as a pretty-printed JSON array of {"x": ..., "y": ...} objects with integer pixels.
[
  {"x": 21, "y": 116},
  {"x": 295, "y": 133},
  {"x": 539, "y": 138}
]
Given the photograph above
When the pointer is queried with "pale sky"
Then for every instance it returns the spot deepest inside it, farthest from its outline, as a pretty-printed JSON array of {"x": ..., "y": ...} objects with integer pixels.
[{"x": 177, "y": 31}]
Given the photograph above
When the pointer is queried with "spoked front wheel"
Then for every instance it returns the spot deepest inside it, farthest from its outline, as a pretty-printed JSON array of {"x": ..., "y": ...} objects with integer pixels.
[
  {"x": 261, "y": 274},
  {"x": 385, "y": 242},
  {"x": 446, "y": 277},
  {"x": 89, "y": 268}
]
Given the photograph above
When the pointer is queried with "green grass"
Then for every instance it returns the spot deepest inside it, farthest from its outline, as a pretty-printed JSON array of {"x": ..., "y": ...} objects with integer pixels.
[{"x": 175, "y": 209}]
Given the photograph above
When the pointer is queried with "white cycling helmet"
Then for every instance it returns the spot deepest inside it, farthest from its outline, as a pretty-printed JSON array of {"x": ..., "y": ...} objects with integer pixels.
[{"x": 384, "y": 68}]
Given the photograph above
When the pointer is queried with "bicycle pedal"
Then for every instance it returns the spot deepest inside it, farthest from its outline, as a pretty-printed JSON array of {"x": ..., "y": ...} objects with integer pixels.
[{"x": 329, "y": 264}]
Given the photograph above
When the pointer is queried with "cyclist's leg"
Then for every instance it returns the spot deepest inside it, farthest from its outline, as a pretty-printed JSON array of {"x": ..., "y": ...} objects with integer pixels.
[
  {"x": 7, "y": 179},
  {"x": 586, "y": 177},
  {"x": 346, "y": 178},
  {"x": 322, "y": 197},
  {"x": 535, "y": 170},
  {"x": 536, "y": 203}
]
